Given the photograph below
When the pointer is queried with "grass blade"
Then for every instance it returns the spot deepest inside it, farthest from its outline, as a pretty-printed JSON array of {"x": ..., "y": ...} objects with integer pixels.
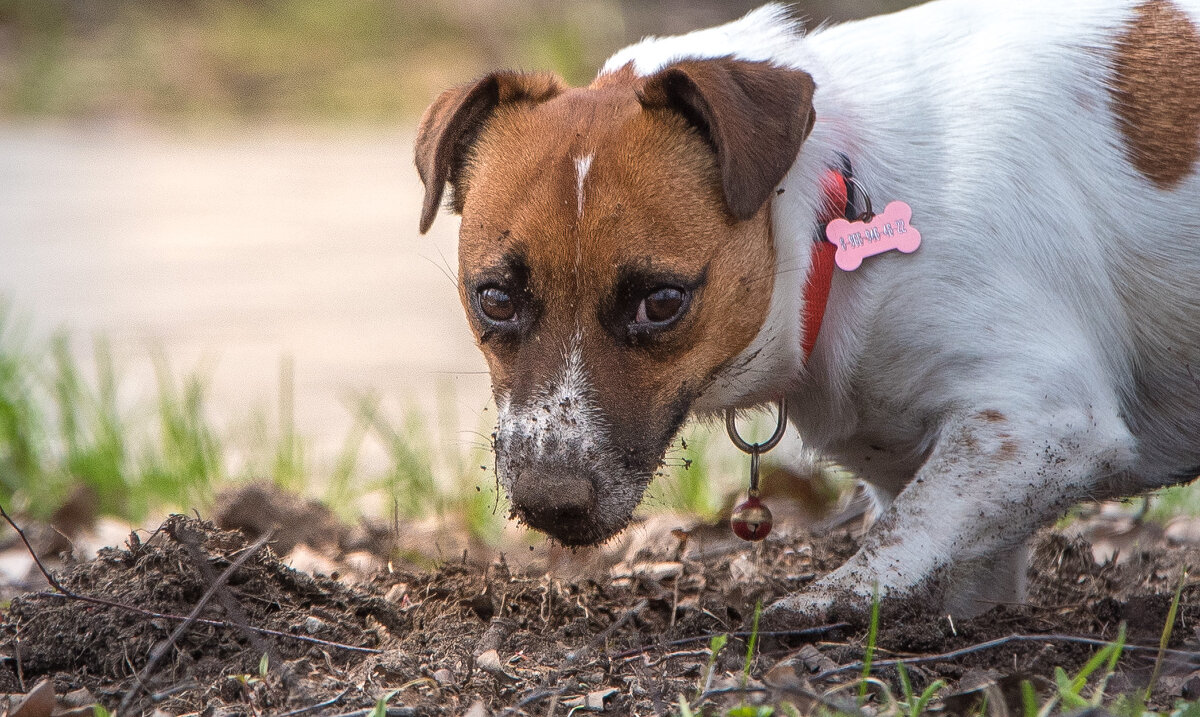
[
  {"x": 751, "y": 645},
  {"x": 1166, "y": 633},
  {"x": 926, "y": 697},
  {"x": 1029, "y": 699},
  {"x": 869, "y": 655}
]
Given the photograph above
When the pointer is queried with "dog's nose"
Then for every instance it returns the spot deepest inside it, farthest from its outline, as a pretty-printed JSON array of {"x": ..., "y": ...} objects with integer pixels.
[{"x": 556, "y": 502}]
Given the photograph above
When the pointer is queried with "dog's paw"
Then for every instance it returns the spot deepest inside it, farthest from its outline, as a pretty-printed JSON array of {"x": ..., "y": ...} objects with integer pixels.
[
  {"x": 819, "y": 605},
  {"x": 797, "y": 611}
]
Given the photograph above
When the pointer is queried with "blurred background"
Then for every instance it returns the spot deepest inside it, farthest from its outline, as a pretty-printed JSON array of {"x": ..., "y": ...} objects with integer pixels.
[
  {"x": 209, "y": 265},
  {"x": 252, "y": 61}
]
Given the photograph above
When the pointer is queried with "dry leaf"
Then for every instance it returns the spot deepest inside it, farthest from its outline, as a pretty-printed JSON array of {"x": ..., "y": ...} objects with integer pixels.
[{"x": 40, "y": 702}]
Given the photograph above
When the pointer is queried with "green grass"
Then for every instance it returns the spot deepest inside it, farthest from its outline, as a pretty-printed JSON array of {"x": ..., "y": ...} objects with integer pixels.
[
  {"x": 69, "y": 421},
  {"x": 912, "y": 704},
  {"x": 869, "y": 653},
  {"x": 63, "y": 428},
  {"x": 691, "y": 483},
  {"x": 289, "y": 470},
  {"x": 1070, "y": 690},
  {"x": 22, "y": 421},
  {"x": 1070, "y": 694},
  {"x": 1174, "y": 501}
]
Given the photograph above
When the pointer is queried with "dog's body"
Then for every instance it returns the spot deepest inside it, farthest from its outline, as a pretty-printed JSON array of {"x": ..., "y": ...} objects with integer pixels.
[{"x": 1035, "y": 351}]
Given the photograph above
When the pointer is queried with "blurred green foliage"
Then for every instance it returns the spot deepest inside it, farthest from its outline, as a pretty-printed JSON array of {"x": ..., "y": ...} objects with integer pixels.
[
  {"x": 64, "y": 428},
  {"x": 275, "y": 60},
  {"x": 314, "y": 60}
]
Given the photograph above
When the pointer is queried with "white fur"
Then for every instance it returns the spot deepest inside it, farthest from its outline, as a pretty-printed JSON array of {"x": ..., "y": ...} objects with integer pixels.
[
  {"x": 1035, "y": 350},
  {"x": 560, "y": 414},
  {"x": 582, "y": 165},
  {"x": 559, "y": 428}
]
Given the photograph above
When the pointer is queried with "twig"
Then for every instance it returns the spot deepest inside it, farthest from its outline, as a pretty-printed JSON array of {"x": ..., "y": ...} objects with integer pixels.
[
  {"x": 494, "y": 637},
  {"x": 535, "y": 696},
  {"x": 204, "y": 621},
  {"x": 63, "y": 593},
  {"x": 38, "y": 561},
  {"x": 188, "y": 684},
  {"x": 807, "y": 632},
  {"x": 313, "y": 708},
  {"x": 674, "y": 605},
  {"x": 162, "y": 648},
  {"x": 17, "y": 655},
  {"x": 682, "y": 653},
  {"x": 836, "y": 707},
  {"x": 1000, "y": 642},
  {"x": 606, "y": 633},
  {"x": 191, "y": 540},
  {"x": 655, "y": 691}
]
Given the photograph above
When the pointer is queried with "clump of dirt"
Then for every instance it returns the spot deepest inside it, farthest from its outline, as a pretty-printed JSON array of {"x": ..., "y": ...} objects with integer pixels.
[{"x": 629, "y": 639}]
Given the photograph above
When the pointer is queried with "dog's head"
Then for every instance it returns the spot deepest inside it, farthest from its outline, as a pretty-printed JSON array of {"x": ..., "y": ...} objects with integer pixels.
[{"x": 615, "y": 253}]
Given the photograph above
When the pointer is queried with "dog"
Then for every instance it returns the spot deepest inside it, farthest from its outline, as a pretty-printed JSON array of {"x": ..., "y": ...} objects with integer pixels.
[{"x": 654, "y": 245}]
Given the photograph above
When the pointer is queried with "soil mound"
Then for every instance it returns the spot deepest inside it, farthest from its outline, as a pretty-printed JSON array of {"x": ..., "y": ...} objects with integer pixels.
[{"x": 497, "y": 637}]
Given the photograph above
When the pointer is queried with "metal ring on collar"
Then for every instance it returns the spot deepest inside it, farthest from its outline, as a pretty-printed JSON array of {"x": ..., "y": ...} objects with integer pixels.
[
  {"x": 867, "y": 214},
  {"x": 757, "y": 448}
]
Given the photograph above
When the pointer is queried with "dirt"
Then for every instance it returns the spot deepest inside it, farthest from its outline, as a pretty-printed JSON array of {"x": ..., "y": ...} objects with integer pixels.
[{"x": 503, "y": 639}]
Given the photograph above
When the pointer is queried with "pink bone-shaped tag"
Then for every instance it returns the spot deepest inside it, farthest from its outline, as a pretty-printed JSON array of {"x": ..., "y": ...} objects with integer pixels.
[{"x": 857, "y": 240}]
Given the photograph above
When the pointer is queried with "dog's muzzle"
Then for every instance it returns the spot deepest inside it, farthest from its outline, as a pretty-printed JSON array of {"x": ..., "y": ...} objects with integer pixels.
[{"x": 560, "y": 490}]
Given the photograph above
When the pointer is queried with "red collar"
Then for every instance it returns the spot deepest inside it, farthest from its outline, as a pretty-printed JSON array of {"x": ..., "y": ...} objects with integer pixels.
[{"x": 820, "y": 273}]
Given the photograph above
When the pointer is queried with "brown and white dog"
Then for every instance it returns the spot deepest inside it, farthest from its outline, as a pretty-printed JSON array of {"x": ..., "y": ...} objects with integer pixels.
[{"x": 638, "y": 250}]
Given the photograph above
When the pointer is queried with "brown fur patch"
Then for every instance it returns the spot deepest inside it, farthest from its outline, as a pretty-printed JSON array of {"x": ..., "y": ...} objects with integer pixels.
[
  {"x": 1156, "y": 88},
  {"x": 756, "y": 115},
  {"x": 450, "y": 125},
  {"x": 991, "y": 415},
  {"x": 653, "y": 201},
  {"x": 672, "y": 157}
]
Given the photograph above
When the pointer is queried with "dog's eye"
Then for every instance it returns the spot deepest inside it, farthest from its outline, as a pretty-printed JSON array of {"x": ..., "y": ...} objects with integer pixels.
[
  {"x": 660, "y": 306},
  {"x": 497, "y": 305}
]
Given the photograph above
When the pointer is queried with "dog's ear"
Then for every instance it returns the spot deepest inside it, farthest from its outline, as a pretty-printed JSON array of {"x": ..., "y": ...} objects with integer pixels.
[
  {"x": 453, "y": 122},
  {"x": 755, "y": 115}
]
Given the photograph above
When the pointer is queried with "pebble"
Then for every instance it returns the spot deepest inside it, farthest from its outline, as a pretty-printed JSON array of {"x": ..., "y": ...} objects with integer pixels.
[
  {"x": 477, "y": 710},
  {"x": 489, "y": 662},
  {"x": 1183, "y": 531},
  {"x": 79, "y": 698}
]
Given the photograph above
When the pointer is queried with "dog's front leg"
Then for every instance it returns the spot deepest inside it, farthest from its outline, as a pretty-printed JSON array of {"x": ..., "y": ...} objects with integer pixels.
[{"x": 954, "y": 536}]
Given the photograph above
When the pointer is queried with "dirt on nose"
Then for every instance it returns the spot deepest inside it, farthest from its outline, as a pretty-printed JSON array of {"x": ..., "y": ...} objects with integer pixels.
[{"x": 558, "y": 502}]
